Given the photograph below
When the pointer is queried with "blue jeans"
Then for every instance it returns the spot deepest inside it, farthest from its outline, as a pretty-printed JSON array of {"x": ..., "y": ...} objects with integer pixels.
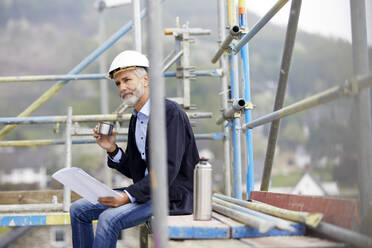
[{"x": 110, "y": 222}]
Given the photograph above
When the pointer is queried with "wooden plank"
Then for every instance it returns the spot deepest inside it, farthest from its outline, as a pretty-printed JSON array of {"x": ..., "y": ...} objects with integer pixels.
[
  {"x": 263, "y": 242},
  {"x": 23, "y": 220},
  {"x": 239, "y": 230},
  {"x": 36, "y": 219},
  {"x": 292, "y": 241},
  {"x": 58, "y": 219},
  {"x": 221, "y": 243},
  {"x": 185, "y": 227},
  {"x": 337, "y": 211},
  {"x": 34, "y": 196}
]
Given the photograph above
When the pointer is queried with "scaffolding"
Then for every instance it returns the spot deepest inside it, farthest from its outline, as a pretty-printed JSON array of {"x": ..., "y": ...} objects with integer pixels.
[
  {"x": 184, "y": 73},
  {"x": 233, "y": 50}
]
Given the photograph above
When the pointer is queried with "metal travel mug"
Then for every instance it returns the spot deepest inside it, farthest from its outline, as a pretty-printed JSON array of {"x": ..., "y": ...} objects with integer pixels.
[
  {"x": 203, "y": 190},
  {"x": 105, "y": 128}
]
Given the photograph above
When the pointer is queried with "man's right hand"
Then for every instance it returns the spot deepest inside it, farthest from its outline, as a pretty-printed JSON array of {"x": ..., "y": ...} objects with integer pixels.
[{"x": 106, "y": 142}]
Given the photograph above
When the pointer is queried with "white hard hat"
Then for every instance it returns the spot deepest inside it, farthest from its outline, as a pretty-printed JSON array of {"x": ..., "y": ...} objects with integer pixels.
[{"x": 127, "y": 59}]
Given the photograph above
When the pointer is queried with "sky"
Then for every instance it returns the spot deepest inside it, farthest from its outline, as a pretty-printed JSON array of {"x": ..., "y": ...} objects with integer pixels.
[{"x": 330, "y": 18}]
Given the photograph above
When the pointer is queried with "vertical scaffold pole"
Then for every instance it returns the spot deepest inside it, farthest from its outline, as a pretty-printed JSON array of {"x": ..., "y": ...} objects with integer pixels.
[
  {"x": 66, "y": 190},
  {"x": 186, "y": 67},
  {"x": 234, "y": 75},
  {"x": 102, "y": 65},
  {"x": 178, "y": 62},
  {"x": 247, "y": 97},
  {"x": 158, "y": 171},
  {"x": 137, "y": 25},
  {"x": 362, "y": 104},
  {"x": 231, "y": 16},
  {"x": 179, "y": 69},
  {"x": 225, "y": 97},
  {"x": 103, "y": 89},
  {"x": 280, "y": 92}
]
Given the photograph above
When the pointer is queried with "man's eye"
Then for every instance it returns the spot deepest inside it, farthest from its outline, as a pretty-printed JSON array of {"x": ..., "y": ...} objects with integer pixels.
[{"x": 117, "y": 83}]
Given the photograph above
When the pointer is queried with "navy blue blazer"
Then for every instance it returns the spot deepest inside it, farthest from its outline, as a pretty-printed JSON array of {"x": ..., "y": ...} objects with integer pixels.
[{"x": 182, "y": 156}]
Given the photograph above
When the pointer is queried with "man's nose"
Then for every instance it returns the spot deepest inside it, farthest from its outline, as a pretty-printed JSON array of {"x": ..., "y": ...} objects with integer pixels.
[{"x": 122, "y": 87}]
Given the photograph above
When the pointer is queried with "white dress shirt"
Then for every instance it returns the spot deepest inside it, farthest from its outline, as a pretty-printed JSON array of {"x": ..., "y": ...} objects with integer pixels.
[{"x": 140, "y": 135}]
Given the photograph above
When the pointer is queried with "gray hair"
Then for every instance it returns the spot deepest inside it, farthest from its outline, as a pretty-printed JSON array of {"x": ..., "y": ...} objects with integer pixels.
[{"x": 140, "y": 72}]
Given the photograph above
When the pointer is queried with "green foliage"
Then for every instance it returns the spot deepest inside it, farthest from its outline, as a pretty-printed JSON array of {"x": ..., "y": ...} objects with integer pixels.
[
  {"x": 289, "y": 180},
  {"x": 318, "y": 64},
  {"x": 334, "y": 142},
  {"x": 323, "y": 173},
  {"x": 293, "y": 135},
  {"x": 3, "y": 230}
]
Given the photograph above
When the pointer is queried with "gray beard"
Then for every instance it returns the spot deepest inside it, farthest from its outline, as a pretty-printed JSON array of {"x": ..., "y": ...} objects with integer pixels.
[{"x": 131, "y": 101}]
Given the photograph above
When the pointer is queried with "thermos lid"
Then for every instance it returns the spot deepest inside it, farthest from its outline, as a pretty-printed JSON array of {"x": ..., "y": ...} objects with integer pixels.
[
  {"x": 203, "y": 159},
  {"x": 108, "y": 123}
]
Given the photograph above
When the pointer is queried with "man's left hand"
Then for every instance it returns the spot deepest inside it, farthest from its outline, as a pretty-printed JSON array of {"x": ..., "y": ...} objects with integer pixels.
[{"x": 116, "y": 201}]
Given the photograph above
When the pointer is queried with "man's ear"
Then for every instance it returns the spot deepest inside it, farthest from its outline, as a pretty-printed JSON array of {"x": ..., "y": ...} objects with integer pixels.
[{"x": 146, "y": 80}]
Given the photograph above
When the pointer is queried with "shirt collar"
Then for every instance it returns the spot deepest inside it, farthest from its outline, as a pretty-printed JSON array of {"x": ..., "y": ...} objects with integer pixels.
[{"x": 145, "y": 110}]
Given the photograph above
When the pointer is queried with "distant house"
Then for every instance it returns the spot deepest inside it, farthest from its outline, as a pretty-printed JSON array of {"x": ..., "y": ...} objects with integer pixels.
[{"x": 309, "y": 186}]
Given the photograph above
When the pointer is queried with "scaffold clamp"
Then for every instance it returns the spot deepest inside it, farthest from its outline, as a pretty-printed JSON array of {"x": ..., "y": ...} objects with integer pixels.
[
  {"x": 351, "y": 87},
  {"x": 249, "y": 105}
]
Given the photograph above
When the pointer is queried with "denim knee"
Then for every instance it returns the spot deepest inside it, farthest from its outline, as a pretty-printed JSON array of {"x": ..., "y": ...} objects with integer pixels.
[
  {"x": 107, "y": 221},
  {"x": 76, "y": 207}
]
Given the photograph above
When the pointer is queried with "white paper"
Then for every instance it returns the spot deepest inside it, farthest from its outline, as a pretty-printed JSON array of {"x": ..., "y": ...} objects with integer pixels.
[{"x": 83, "y": 184}]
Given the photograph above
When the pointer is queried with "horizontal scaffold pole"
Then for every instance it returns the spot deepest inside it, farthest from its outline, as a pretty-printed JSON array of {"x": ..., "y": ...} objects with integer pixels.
[
  {"x": 310, "y": 219},
  {"x": 350, "y": 88},
  {"x": 258, "y": 26},
  {"x": 41, "y": 78},
  {"x": 50, "y": 142},
  {"x": 31, "y": 207},
  {"x": 200, "y": 73},
  {"x": 77, "y": 69},
  {"x": 191, "y": 31},
  {"x": 98, "y": 76},
  {"x": 83, "y": 118},
  {"x": 279, "y": 223},
  {"x": 253, "y": 221},
  {"x": 63, "y": 118}
]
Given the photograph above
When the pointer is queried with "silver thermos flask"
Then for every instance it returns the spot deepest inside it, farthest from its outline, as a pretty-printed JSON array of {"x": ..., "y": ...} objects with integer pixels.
[{"x": 203, "y": 190}]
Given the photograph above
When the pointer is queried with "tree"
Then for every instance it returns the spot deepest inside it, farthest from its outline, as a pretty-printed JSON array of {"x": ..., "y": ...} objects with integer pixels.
[{"x": 334, "y": 143}]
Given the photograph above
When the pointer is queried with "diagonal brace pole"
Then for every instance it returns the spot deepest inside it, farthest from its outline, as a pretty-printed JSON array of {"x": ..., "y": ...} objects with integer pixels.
[{"x": 280, "y": 93}]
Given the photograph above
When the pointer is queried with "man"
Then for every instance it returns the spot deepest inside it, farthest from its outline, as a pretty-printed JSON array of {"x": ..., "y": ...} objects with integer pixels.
[{"x": 129, "y": 71}]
